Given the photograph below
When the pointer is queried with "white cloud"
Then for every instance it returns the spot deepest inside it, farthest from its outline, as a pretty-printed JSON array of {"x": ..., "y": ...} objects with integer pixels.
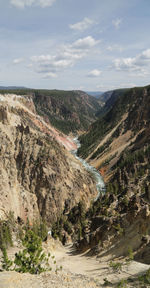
[
  {"x": 66, "y": 56},
  {"x": 137, "y": 63},
  {"x": 18, "y": 60},
  {"x": 83, "y": 25},
  {"x": 45, "y": 3},
  {"x": 117, "y": 23},
  {"x": 145, "y": 54},
  {"x": 50, "y": 64},
  {"x": 85, "y": 43},
  {"x": 50, "y": 75},
  {"x": 95, "y": 73},
  {"x": 27, "y": 3},
  {"x": 42, "y": 58},
  {"x": 125, "y": 64},
  {"x": 114, "y": 47},
  {"x": 29, "y": 65}
]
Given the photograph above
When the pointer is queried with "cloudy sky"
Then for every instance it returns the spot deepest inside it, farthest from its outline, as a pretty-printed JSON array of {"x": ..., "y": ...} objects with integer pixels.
[{"x": 93, "y": 45}]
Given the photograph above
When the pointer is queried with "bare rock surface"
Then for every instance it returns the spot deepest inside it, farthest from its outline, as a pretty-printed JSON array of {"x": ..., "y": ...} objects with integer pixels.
[{"x": 37, "y": 173}]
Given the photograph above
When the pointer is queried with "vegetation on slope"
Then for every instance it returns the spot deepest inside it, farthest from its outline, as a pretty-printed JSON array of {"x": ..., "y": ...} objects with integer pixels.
[
  {"x": 68, "y": 111},
  {"x": 119, "y": 221},
  {"x": 122, "y": 215},
  {"x": 109, "y": 99},
  {"x": 31, "y": 258},
  {"x": 135, "y": 102}
]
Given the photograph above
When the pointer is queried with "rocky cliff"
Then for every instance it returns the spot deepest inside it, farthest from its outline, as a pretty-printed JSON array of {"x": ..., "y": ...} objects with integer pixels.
[
  {"x": 69, "y": 111},
  {"x": 118, "y": 145},
  {"x": 38, "y": 175}
]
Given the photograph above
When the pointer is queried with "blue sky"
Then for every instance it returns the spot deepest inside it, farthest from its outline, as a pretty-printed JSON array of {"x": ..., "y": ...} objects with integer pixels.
[{"x": 93, "y": 45}]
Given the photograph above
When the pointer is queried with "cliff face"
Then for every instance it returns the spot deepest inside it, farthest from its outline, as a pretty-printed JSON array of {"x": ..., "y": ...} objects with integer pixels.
[
  {"x": 38, "y": 176},
  {"x": 118, "y": 144},
  {"x": 125, "y": 124},
  {"x": 69, "y": 111}
]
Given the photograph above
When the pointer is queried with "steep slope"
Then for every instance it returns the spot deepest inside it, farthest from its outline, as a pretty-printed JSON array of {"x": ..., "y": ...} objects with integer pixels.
[
  {"x": 78, "y": 271},
  {"x": 69, "y": 111},
  {"x": 119, "y": 145},
  {"x": 127, "y": 112},
  {"x": 38, "y": 176},
  {"x": 109, "y": 98}
]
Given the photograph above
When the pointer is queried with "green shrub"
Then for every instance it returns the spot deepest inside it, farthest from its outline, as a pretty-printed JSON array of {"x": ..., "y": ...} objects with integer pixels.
[
  {"x": 6, "y": 263},
  {"x": 118, "y": 229},
  {"x": 145, "y": 278},
  {"x": 40, "y": 229},
  {"x": 130, "y": 254},
  {"x": 122, "y": 284},
  {"x": 68, "y": 227},
  {"x": 32, "y": 259},
  {"x": 5, "y": 235},
  {"x": 116, "y": 266}
]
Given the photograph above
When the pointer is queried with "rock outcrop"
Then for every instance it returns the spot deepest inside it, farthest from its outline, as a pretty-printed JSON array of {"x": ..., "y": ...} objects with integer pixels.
[{"x": 37, "y": 174}]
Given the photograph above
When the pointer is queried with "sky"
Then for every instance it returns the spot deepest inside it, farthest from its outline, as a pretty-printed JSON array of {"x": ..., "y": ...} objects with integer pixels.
[{"x": 96, "y": 45}]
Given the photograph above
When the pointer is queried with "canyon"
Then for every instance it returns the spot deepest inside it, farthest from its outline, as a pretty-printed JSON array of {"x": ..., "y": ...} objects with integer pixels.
[
  {"x": 41, "y": 179},
  {"x": 38, "y": 173}
]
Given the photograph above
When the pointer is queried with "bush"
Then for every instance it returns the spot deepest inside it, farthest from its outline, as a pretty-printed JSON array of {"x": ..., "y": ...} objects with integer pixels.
[
  {"x": 116, "y": 266},
  {"x": 145, "y": 278},
  {"x": 130, "y": 254},
  {"x": 122, "y": 284},
  {"x": 5, "y": 235},
  {"x": 40, "y": 229},
  {"x": 118, "y": 229},
  {"x": 32, "y": 259},
  {"x": 6, "y": 263}
]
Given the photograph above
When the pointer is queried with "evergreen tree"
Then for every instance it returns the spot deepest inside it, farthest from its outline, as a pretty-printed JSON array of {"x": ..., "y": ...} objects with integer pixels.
[
  {"x": 32, "y": 259},
  {"x": 6, "y": 263}
]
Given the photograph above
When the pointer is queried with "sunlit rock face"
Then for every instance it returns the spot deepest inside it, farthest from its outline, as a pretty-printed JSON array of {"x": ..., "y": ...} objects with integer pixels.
[{"x": 38, "y": 175}]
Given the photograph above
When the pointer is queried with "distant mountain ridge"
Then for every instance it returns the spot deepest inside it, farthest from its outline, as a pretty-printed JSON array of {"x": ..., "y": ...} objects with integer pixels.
[
  {"x": 96, "y": 94},
  {"x": 68, "y": 111},
  {"x": 12, "y": 87}
]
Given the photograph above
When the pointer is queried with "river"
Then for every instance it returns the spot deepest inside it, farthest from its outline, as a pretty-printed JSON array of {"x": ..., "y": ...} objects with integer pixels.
[{"x": 100, "y": 185}]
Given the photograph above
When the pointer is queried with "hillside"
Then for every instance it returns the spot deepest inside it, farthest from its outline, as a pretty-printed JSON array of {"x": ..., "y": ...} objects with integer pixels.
[
  {"x": 68, "y": 111},
  {"x": 38, "y": 174},
  {"x": 40, "y": 178},
  {"x": 108, "y": 99},
  {"x": 118, "y": 144},
  {"x": 126, "y": 108}
]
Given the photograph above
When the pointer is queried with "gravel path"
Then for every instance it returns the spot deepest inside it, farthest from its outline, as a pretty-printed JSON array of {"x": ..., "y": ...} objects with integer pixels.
[{"x": 78, "y": 271}]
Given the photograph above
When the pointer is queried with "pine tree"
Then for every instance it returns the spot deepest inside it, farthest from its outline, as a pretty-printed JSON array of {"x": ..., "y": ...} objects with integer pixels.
[
  {"x": 32, "y": 259},
  {"x": 6, "y": 263}
]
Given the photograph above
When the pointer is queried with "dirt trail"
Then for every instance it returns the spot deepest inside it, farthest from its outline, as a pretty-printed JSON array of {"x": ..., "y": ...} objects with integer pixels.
[
  {"x": 94, "y": 267},
  {"x": 77, "y": 263},
  {"x": 78, "y": 271}
]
